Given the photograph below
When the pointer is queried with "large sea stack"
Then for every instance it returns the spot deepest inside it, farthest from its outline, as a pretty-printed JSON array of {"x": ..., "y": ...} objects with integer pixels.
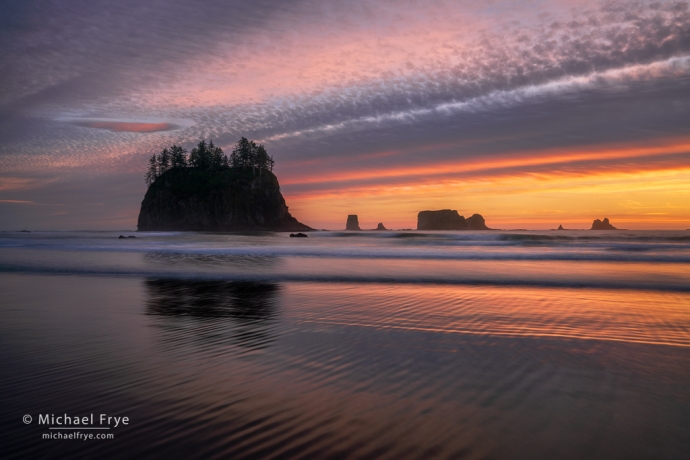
[
  {"x": 229, "y": 199},
  {"x": 447, "y": 219},
  {"x": 602, "y": 225}
]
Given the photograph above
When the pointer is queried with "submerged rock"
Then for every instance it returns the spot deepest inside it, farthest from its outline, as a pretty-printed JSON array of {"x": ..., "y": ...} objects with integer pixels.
[
  {"x": 381, "y": 227},
  {"x": 230, "y": 199},
  {"x": 602, "y": 225},
  {"x": 447, "y": 219},
  {"x": 298, "y": 235},
  {"x": 125, "y": 237},
  {"x": 352, "y": 222}
]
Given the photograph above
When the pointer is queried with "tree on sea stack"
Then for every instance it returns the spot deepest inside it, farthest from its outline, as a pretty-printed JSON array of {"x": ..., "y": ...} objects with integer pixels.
[
  {"x": 178, "y": 157},
  {"x": 152, "y": 172},
  {"x": 262, "y": 158},
  {"x": 206, "y": 156},
  {"x": 247, "y": 154}
]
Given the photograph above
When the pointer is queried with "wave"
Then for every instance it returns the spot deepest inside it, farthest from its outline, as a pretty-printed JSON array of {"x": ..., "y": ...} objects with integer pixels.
[
  {"x": 632, "y": 255},
  {"x": 609, "y": 253},
  {"x": 479, "y": 280},
  {"x": 668, "y": 247}
]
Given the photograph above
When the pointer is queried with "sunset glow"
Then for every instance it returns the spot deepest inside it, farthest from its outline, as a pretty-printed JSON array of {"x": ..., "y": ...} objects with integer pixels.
[{"x": 532, "y": 114}]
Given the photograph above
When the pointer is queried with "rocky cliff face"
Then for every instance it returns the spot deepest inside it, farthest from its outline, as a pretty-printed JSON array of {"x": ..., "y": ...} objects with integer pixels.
[
  {"x": 447, "y": 219},
  {"x": 231, "y": 199}
]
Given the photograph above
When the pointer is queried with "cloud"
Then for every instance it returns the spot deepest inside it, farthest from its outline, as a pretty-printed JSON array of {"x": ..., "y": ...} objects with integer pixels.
[
  {"x": 335, "y": 88},
  {"x": 126, "y": 126}
]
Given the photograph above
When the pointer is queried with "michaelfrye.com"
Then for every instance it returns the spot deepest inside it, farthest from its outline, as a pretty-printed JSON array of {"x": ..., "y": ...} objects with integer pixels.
[{"x": 81, "y": 427}]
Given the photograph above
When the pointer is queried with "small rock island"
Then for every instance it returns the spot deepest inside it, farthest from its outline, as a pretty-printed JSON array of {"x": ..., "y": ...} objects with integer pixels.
[
  {"x": 352, "y": 222},
  {"x": 447, "y": 219},
  {"x": 207, "y": 191},
  {"x": 602, "y": 225}
]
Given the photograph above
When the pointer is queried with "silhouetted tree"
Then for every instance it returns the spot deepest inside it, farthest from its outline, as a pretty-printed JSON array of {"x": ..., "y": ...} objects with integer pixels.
[
  {"x": 218, "y": 160},
  {"x": 200, "y": 157},
  {"x": 163, "y": 161},
  {"x": 178, "y": 157},
  {"x": 242, "y": 153},
  {"x": 209, "y": 157},
  {"x": 262, "y": 158},
  {"x": 152, "y": 172}
]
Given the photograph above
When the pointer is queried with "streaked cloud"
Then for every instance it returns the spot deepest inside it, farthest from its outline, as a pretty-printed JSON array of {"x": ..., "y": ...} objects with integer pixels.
[
  {"x": 126, "y": 126},
  {"x": 347, "y": 97}
]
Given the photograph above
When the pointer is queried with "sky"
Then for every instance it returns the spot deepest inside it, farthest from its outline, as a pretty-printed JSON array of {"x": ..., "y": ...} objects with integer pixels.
[{"x": 532, "y": 113}]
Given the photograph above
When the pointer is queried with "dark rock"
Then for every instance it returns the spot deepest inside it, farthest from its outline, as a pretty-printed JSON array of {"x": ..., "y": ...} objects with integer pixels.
[
  {"x": 444, "y": 219},
  {"x": 381, "y": 227},
  {"x": 352, "y": 222},
  {"x": 560, "y": 227},
  {"x": 476, "y": 222},
  {"x": 125, "y": 237},
  {"x": 447, "y": 219},
  {"x": 602, "y": 225},
  {"x": 231, "y": 199},
  {"x": 298, "y": 235}
]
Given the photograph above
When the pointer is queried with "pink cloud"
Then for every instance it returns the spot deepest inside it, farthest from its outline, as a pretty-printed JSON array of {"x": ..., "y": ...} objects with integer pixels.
[{"x": 127, "y": 126}]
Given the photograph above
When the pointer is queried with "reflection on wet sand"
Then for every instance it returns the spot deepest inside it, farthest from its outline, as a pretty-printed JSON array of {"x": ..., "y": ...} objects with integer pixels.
[
  {"x": 219, "y": 369},
  {"x": 213, "y": 312}
]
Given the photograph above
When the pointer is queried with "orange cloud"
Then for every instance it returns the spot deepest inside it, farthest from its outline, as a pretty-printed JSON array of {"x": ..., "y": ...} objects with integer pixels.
[
  {"x": 634, "y": 185},
  {"x": 521, "y": 160}
]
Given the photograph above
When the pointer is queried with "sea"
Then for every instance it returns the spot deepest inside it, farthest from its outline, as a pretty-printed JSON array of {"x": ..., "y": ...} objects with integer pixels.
[{"x": 371, "y": 345}]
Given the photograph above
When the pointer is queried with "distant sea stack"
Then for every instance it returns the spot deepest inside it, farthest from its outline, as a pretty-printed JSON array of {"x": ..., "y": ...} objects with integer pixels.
[
  {"x": 602, "y": 225},
  {"x": 352, "y": 222},
  {"x": 381, "y": 227},
  {"x": 229, "y": 199},
  {"x": 447, "y": 219},
  {"x": 560, "y": 227}
]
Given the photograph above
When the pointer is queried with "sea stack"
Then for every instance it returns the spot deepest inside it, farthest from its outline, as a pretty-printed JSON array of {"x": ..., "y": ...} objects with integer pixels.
[
  {"x": 602, "y": 225},
  {"x": 447, "y": 219},
  {"x": 352, "y": 222},
  {"x": 381, "y": 227},
  {"x": 476, "y": 222},
  {"x": 560, "y": 227},
  {"x": 230, "y": 199}
]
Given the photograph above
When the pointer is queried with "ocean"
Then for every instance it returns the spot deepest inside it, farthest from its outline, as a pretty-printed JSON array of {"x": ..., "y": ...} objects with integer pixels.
[{"x": 491, "y": 345}]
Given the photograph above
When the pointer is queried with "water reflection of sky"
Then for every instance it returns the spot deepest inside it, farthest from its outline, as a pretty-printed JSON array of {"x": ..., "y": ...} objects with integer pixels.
[{"x": 243, "y": 370}]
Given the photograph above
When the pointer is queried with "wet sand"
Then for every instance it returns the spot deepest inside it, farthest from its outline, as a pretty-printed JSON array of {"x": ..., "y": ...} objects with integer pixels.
[{"x": 246, "y": 369}]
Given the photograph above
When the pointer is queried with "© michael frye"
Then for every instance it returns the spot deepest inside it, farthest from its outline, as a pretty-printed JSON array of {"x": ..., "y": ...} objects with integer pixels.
[{"x": 84, "y": 420}]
